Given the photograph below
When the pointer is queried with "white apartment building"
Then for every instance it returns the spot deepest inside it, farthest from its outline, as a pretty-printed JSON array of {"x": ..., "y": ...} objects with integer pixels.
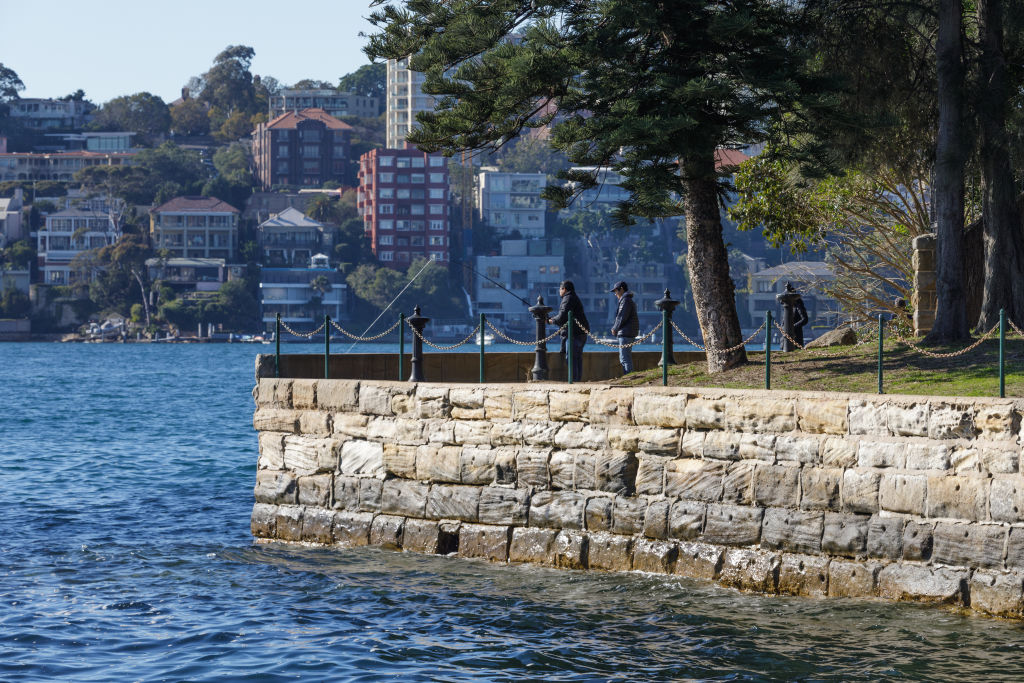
[
  {"x": 529, "y": 268},
  {"x": 511, "y": 201},
  {"x": 334, "y": 102},
  {"x": 68, "y": 233},
  {"x": 606, "y": 195},
  {"x": 290, "y": 292},
  {"x": 405, "y": 98}
]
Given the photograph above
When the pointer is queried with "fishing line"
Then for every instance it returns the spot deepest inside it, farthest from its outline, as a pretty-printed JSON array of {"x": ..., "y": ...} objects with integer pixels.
[
  {"x": 389, "y": 304},
  {"x": 466, "y": 265}
]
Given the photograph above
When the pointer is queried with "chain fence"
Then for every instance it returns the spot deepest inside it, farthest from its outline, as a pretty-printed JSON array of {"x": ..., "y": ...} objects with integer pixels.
[
  {"x": 728, "y": 350},
  {"x": 612, "y": 345},
  {"x": 534, "y": 342},
  {"x": 305, "y": 335},
  {"x": 357, "y": 337},
  {"x": 440, "y": 347},
  {"x": 932, "y": 354}
]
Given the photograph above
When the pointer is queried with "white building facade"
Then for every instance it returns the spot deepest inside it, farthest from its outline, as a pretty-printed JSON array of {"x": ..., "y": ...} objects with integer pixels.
[
  {"x": 67, "y": 234},
  {"x": 405, "y": 99},
  {"x": 512, "y": 201},
  {"x": 528, "y": 268},
  {"x": 291, "y": 293}
]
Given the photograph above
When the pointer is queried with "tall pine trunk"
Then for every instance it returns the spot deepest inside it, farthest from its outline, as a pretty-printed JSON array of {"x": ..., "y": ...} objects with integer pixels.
[
  {"x": 1004, "y": 234},
  {"x": 713, "y": 290},
  {"x": 950, "y": 159}
]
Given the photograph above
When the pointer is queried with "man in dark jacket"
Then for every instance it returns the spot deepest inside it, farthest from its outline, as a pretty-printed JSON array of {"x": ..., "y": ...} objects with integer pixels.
[
  {"x": 626, "y": 326},
  {"x": 571, "y": 302}
]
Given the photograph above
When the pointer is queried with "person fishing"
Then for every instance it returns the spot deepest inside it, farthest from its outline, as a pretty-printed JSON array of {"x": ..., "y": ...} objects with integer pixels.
[
  {"x": 626, "y": 326},
  {"x": 571, "y": 302}
]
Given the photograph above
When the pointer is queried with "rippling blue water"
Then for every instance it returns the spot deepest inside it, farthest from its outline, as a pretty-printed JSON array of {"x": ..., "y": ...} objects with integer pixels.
[{"x": 126, "y": 476}]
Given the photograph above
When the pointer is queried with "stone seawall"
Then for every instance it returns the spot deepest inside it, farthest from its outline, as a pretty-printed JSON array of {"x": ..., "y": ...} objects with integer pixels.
[{"x": 898, "y": 497}]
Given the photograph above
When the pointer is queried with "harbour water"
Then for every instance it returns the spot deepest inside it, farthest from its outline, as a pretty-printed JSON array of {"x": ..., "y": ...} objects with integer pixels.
[{"x": 126, "y": 475}]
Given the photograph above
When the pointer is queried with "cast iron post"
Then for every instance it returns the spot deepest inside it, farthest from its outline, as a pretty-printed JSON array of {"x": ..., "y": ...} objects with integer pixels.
[
  {"x": 666, "y": 305},
  {"x": 418, "y": 322},
  {"x": 540, "y": 364}
]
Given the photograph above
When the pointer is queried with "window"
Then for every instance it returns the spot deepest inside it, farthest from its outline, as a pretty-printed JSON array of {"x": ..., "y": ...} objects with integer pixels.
[
  {"x": 437, "y": 193},
  {"x": 402, "y": 178},
  {"x": 417, "y": 193},
  {"x": 417, "y": 162},
  {"x": 416, "y": 209},
  {"x": 387, "y": 256},
  {"x": 386, "y": 209},
  {"x": 437, "y": 209},
  {"x": 402, "y": 193},
  {"x": 386, "y": 224},
  {"x": 437, "y": 178},
  {"x": 386, "y": 193},
  {"x": 282, "y": 151},
  {"x": 554, "y": 269},
  {"x": 436, "y": 256},
  {"x": 437, "y": 225},
  {"x": 310, "y": 134},
  {"x": 417, "y": 240},
  {"x": 543, "y": 269},
  {"x": 518, "y": 279},
  {"x": 311, "y": 150},
  {"x": 386, "y": 161},
  {"x": 436, "y": 161},
  {"x": 493, "y": 272},
  {"x": 403, "y": 256},
  {"x": 386, "y": 239},
  {"x": 402, "y": 226},
  {"x": 386, "y": 177},
  {"x": 418, "y": 179},
  {"x": 436, "y": 241},
  {"x": 403, "y": 241}
]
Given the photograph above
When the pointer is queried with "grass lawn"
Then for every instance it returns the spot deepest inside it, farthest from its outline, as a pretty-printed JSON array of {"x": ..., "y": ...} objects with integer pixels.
[{"x": 854, "y": 369}]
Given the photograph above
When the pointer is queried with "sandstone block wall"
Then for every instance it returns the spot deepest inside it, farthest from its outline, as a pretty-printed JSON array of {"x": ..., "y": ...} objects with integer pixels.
[{"x": 903, "y": 498}]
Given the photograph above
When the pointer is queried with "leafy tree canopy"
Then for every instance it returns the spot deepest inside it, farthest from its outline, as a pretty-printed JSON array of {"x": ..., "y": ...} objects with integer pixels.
[
  {"x": 228, "y": 85},
  {"x": 157, "y": 175},
  {"x": 10, "y": 84},
  {"x": 142, "y": 113},
  {"x": 367, "y": 80},
  {"x": 190, "y": 118}
]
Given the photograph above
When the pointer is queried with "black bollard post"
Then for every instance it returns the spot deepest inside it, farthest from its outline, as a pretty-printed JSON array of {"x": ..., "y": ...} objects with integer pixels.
[
  {"x": 794, "y": 317},
  {"x": 540, "y": 364},
  {"x": 667, "y": 305},
  {"x": 418, "y": 322}
]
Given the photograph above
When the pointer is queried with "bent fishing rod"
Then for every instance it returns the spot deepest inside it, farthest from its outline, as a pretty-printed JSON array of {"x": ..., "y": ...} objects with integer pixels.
[{"x": 478, "y": 273}]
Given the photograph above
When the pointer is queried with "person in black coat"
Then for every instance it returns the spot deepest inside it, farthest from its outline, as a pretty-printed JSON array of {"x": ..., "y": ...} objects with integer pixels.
[
  {"x": 626, "y": 326},
  {"x": 571, "y": 302}
]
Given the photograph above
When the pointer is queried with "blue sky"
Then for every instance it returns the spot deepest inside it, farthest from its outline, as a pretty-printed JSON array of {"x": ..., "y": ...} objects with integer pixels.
[{"x": 120, "y": 47}]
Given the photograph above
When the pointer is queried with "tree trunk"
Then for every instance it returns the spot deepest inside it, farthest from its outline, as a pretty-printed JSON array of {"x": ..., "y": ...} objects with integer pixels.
[
  {"x": 1004, "y": 237},
  {"x": 713, "y": 296},
  {"x": 950, "y": 158}
]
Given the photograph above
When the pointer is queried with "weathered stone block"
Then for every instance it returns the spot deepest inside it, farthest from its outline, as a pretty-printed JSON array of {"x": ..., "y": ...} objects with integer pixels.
[
  {"x": 562, "y": 467},
  {"x": 532, "y": 545},
  {"x": 623, "y": 438},
  {"x": 467, "y": 404},
  {"x": 1000, "y": 594},
  {"x": 757, "y": 447},
  {"x": 969, "y": 545},
  {"x": 950, "y": 421},
  {"x": 659, "y": 410},
  {"x": 539, "y": 433},
  {"x": 628, "y": 515},
  {"x": 686, "y": 520},
  {"x": 403, "y": 497},
  {"x": 694, "y": 479},
  {"x": 304, "y": 394},
  {"x": 661, "y": 441},
  {"x": 760, "y": 415},
  {"x": 585, "y": 472},
  {"x": 868, "y": 418},
  {"x": 656, "y": 519},
  {"x": 750, "y": 570},
  {"x": 488, "y": 542},
  {"x": 476, "y": 466},
  {"x": 845, "y": 535},
  {"x": 315, "y": 490},
  {"x": 275, "y": 487},
  {"x": 699, "y": 560},
  {"x": 997, "y": 422},
  {"x": 362, "y": 457},
  {"x": 776, "y": 486},
  {"x": 797, "y": 531},
  {"x": 798, "y": 449},
  {"x": 337, "y": 394},
  {"x": 579, "y": 435},
  {"x": 453, "y": 502},
  {"x": 432, "y": 401},
  {"x": 316, "y": 525},
  {"x": 439, "y": 463},
  {"x": 722, "y": 445},
  {"x": 804, "y": 575},
  {"x": 959, "y": 497},
  {"x": 371, "y": 493},
  {"x": 922, "y": 584},
  {"x": 852, "y": 579},
  {"x": 823, "y": 416},
  {"x": 837, "y": 452},
  {"x": 504, "y": 506},
  {"x": 571, "y": 550},
  {"x": 599, "y": 514},
  {"x": 400, "y": 460},
  {"x": 273, "y": 392},
  {"x": 497, "y": 404},
  {"x": 656, "y": 557},
  {"x": 733, "y": 525},
  {"x": 820, "y": 488},
  {"x": 927, "y": 456},
  {"x": 439, "y": 432},
  {"x": 882, "y": 454},
  {"x": 403, "y": 404},
  {"x": 386, "y": 531},
  {"x": 615, "y": 472},
  {"x": 1007, "y": 499},
  {"x": 738, "y": 483},
  {"x": 569, "y": 406},
  {"x": 1002, "y": 459},
  {"x": 703, "y": 413},
  {"x": 903, "y": 493},
  {"x": 885, "y": 537},
  {"x": 346, "y": 493},
  {"x": 908, "y": 420},
  {"x": 351, "y": 528},
  {"x": 691, "y": 445},
  {"x": 1015, "y": 548},
  {"x": 611, "y": 406},
  {"x": 530, "y": 405},
  {"x": 289, "y": 522},
  {"x": 276, "y": 420},
  {"x": 532, "y": 467},
  {"x": 610, "y": 551},
  {"x": 468, "y": 432},
  {"x": 650, "y": 474},
  {"x": 917, "y": 541},
  {"x": 409, "y": 432},
  {"x": 421, "y": 536},
  {"x": 263, "y": 522},
  {"x": 860, "y": 490},
  {"x": 350, "y": 425},
  {"x": 965, "y": 459},
  {"x": 557, "y": 509},
  {"x": 375, "y": 399},
  {"x": 271, "y": 445},
  {"x": 505, "y": 466},
  {"x": 302, "y": 454}
]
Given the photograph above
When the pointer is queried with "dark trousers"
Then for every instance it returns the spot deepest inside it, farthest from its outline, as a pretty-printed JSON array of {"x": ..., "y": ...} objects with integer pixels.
[{"x": 578, "y": 340}]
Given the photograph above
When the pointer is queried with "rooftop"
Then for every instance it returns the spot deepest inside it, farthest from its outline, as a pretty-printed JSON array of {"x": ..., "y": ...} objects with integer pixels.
[
  {"x": 291, "y": 120},
  {"x": 196, "y": 204}
]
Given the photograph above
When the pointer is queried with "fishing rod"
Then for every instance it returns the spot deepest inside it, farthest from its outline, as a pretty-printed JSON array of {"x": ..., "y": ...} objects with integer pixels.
[
  {"x": 389, "y": 305},
  {"x": 466, "y": 265}
]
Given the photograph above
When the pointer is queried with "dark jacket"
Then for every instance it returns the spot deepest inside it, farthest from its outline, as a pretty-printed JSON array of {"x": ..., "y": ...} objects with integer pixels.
[
  {"x": 626, "y": 324},
  {"x": 571, "y": 302}
]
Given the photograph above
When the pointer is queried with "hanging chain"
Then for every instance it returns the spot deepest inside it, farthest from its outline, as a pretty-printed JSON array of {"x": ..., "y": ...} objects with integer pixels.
[
  {"x": 444, "y": 348},
  {"x": 522, "y": 343},
  {"x": 610, "y": 345},
  {"x": 687, "y": 338},
  {"x": 952, "y": 354},
  {"x": 792, "y": 341},
  {"x": 737, "y": 347},
  {"x": 307, "y": 335},
  {"x": 1014, "y": 326},
  {"x": 365, "y": 339}
]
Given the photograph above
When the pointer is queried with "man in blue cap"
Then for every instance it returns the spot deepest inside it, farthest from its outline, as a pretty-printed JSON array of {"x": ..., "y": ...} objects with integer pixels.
[{"x": 626, "y": 326}]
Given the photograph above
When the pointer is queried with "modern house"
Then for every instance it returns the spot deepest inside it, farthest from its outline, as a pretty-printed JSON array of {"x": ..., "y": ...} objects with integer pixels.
[
  {"x": 809, "y": 278},
  {"x": 45, "y": 114},
  {"x": 67, "y": 234},
  {"x": 290, "y": 238},
  {"x": 511, "y": 201},
  {"x": 528, "y": 268},
  {"x": 56, "y": 165},
  {"x": 306, "y": 148},
  {"x": 188, "y": 274},
  {"x": 195, "y": 227},
  {"x": 302, "y": 296},
  {"x": 334, "y": 102},
  {"x": 403, "y": 199}
]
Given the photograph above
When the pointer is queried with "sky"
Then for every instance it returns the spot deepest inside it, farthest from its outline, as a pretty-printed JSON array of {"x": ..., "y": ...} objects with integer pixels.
[{"x": 120, "y": 47}]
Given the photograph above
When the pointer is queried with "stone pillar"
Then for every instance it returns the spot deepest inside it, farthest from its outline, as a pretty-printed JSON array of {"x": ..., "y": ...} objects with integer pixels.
[{"x": 924, "y": 301}]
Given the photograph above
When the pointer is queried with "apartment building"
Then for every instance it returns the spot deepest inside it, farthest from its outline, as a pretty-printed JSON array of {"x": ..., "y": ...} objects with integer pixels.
[
  {"x": 810, "y": 278},
  {"x": 46, "y": 114},
  {"x": 306, "y": 148},
  {"x": 290, "y": 238},
  {"x": 56, "y": 165},
  {"x": 405, "y": 99},
  {"x": 512, "y": 201},
  {"x": 528, "y": 268},
  {"x": 302, "y": 296},
  {"x": 334, "y": 102},
  {"x": 195, "y": 227},
  {"x": 65, "y": 235}
]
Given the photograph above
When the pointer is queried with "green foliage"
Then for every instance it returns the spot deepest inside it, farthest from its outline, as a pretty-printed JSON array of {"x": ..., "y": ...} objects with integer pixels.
[
  {"x": 14, "y": 304},
  {"x": 142, "y": 113},
  {"x": 19, "y": 255},
  {"x": 138, "y": 313},
  {"x": 190, "y": 118},
  {"x": 313, "y": 84},
  {"x": 351, "y": 245},
  {"x": 367, "y": 81},
  {"x": 379, "y": 285},
  {"x": 236, "y": 126},
  {"x": 182, "y": 313},
  {"x": 228, "y": 85},
  {"x": 10, "y": 84},
  {"x": 532, "y": 155},
  {"x": 116, "y": 268},
  {"x": 235, "y": 307},
  {"x": 157, "y": 175}
]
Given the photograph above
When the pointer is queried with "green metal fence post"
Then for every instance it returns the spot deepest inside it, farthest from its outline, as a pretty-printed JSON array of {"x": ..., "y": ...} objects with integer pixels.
[
  {"x": 880, "y": 338},
  {"x": 1002, "y": 353},
  {"x": 568, "y": 347},
  {"x": 401, "y": 344},
  {"x": 327, "y": 347},
  {"x": 277, "y": 347},
  {"x": 482, "y": 321},
  {"x": 666, "y": 340},
  {"x": 768, "y": 351}
]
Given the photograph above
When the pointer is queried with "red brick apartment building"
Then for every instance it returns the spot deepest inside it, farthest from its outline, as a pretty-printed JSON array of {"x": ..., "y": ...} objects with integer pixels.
[
  {"x": 305, "y": 148},
  {"x": 403, "y": 199}
]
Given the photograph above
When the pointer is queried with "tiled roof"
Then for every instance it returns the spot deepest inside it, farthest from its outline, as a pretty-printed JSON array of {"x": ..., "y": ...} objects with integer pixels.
[
  {"x": 291, "y": 120},
  {"x": 197, "y": 204},
  {"x": 725, "y": 158},
  {"x": 290, "y": 218}
]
